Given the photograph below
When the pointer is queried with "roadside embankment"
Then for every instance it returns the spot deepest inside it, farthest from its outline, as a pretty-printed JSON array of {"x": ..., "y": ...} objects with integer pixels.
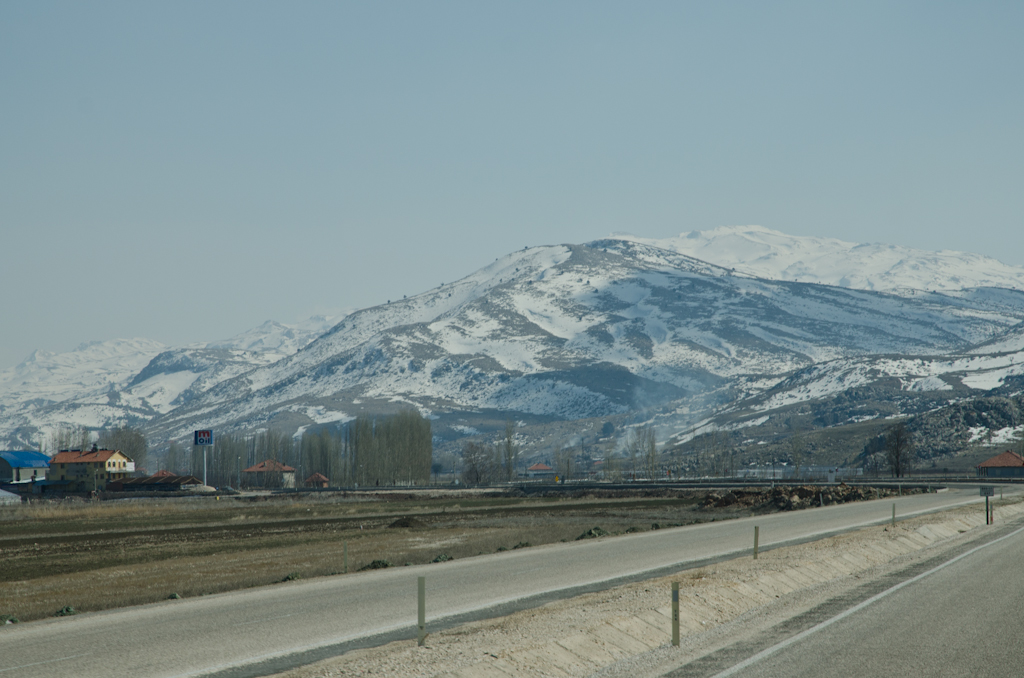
[{"x": 626, "y": 630}]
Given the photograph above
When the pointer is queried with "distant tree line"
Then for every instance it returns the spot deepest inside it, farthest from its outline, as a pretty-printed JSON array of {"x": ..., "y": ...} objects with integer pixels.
[
  {"x": 367, "y": 451},
  {"x": 389, "y": 450}
]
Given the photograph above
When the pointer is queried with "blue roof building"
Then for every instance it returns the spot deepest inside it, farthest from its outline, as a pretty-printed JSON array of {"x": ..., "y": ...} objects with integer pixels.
[{"x": 23, "y": 466}]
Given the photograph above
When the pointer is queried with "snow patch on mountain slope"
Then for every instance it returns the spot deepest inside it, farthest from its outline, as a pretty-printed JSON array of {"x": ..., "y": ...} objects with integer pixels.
[
  {"x": 917, "y": 374},
  {"x": 766, "y": 253},
  {"x": 92, "y": 367}
]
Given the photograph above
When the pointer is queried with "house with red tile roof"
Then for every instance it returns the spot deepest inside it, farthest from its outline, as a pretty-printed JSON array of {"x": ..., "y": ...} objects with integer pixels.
[
  {"x": 317, "y": 480},
  {"x": 539, "y": 470},
  {"x": 1005, "y": 465},
  {"x": 270, "y": 473},
  {"x": 90, "y": 470}
]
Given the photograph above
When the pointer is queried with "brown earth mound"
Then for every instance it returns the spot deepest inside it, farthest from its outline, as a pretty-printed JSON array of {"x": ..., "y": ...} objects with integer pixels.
[
  {"x": 412, "y": 523},
  {"x": 789, "y": 498}
]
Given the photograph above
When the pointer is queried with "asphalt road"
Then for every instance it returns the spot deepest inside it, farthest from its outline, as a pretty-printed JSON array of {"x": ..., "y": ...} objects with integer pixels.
[
  {"x": 956, "y": 615},
  {"x": 257, "y": 631}
]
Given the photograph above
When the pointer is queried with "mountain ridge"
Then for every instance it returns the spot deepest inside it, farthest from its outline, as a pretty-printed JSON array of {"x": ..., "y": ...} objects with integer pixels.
[
  {"x": 767, "y": 253},
  {"x": 618, "y": 328}
]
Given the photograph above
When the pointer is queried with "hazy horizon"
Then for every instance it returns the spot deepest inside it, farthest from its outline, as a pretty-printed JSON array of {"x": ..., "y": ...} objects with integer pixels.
[{"x": 186, "y": 172}]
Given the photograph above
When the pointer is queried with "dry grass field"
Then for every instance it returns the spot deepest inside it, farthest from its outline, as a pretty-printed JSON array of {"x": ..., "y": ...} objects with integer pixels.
[{"x": 107, "y": 554}]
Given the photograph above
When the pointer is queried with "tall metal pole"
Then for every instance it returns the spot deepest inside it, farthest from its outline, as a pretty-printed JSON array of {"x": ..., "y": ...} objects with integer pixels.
[{"x": 204, "y": 464}]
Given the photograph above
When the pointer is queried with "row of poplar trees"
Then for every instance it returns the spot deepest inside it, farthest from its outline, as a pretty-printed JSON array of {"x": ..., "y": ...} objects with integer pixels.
[{"x": 367, "y": 451}]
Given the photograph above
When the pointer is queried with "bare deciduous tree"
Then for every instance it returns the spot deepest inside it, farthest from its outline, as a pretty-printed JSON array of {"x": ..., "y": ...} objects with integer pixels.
[
  {"x": 898, "y": 446},
  {"x": 612, "y": 469},
  {"x": 565, "y": 463},
  {"x": 68, "y": 437},
  {"x": 510, "y": 450},
  {"x": 129, "y": 441},
  {"x": 175, "y": 456},
  {"x": 641, "y": 449},
  {"x": 796, "y": 451},
  {"x": 479, "y": 463}
]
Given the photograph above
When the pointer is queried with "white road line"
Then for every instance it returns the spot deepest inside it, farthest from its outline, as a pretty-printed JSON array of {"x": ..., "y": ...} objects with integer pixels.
[
  {"x": 47, "y": 661},
  {"x": 764, "y": 654}
]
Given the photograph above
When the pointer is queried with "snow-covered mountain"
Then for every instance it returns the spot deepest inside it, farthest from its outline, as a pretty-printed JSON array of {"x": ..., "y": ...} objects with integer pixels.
[
  {"x": 277, "y": 338},
  {"x": 625, "y": 327},
  {"x": 765, "y": 253},
  {"x": 130, "y": 381},
  {"x": 92, "y": 367},
  {"x": 587, "y": 331}
]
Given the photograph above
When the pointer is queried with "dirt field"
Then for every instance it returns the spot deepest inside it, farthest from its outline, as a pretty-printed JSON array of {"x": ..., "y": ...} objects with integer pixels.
[{"x": 101, "y": 555}]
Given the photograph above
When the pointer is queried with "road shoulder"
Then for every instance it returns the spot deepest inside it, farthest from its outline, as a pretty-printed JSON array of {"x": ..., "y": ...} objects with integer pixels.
[{"x": 625, "y": 631}]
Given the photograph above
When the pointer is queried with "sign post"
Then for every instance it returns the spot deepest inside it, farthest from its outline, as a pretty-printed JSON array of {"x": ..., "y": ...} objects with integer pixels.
[
  {"x": 204, "y": 439},
  {"x": 987, "y": 491}
]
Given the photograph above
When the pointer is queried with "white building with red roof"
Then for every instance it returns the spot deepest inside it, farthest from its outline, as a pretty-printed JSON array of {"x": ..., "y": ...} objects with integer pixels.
[
  {"x": 1005, "y": 465},
  {"x": 270, "y": 473},
  {"x": 90, "y": 470},
  {"x": 539, "y": 470}
]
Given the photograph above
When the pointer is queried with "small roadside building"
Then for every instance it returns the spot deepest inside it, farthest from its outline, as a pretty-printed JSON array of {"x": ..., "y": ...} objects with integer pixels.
[
  {"x": 90, "y": 470},
  {"x": 317, "y": 480},
  {"x": 540, "y": 470},
  {"x": 162, "y": 481},
  {"x": 270, "y": 473},
  {"x": 1005, "y": 465},
  {"x": 23, "y": 466},
  {"x": 9, "y": 498}
]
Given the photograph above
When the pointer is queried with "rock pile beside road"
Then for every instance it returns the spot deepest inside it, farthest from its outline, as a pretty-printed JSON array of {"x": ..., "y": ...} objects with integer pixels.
[{"x": 794, "y": 497}]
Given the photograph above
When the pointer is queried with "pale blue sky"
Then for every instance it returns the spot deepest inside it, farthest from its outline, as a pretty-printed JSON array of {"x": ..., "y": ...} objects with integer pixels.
[{"x": 185, "y": 171}]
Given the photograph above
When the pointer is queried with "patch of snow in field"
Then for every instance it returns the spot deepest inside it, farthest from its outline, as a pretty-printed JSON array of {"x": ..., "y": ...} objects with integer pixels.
[
  {"x": 1006, "y": 435},
  {"x": 321, "y": 415},
  {"x": 988, "y": 380},
  {"x": 1003, "y": 436},
  {"x": 929, "y": 384}
]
